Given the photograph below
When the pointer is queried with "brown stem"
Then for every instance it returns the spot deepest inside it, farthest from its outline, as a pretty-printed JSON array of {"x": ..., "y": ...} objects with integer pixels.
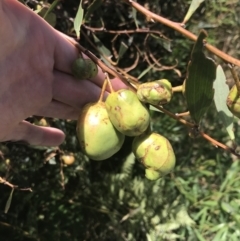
[
  {"x": 218, "y": 144},
  {"x": 174, "y": 116},
  {"x": 145, "y": 30},
  {"x": 183, "y": 114},
  {"x": 178, "y": 27},
  {"x": 14, "y": 186},
  {"x": 109, "y": 83},
  {"x": 177, "y": 88},
  {"x": 103, "y": 90}
]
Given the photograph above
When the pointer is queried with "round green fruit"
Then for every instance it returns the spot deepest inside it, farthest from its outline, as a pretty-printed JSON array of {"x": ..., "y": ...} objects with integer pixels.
[
  {"x": 155, "y": 152},
  {"x": 68, "y": 159},
  {"x": 127, "y": 113},
  {"x": 157, "y": 92},
  {"x": 98, "y": 138},
  {"x": 84, "y": 69}
]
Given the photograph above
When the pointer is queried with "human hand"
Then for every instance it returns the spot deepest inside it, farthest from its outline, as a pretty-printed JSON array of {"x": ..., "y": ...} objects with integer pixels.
[{"x": 35, "y": 77}]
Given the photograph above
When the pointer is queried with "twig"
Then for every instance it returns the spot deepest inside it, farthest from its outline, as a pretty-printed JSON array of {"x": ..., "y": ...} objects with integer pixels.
[
  {"x": 24, "y": 233},
  {"x": 178, "y": 27},
  {"x": 62, "y": 182},
  {"x": 144, "y": 30},
  {"x": 103, "y": 66},
  {"x": 3, "y": 181},
  {"x": 219, "y": 144}
]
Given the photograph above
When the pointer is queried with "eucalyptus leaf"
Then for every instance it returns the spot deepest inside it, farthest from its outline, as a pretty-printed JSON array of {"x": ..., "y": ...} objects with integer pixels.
[
  {"x": 53, "y": 5},
  {"x": 122, "y": 50},
  {"x": 78, "y": 20},
  {"x": 134, "y": 14},
  {"x": 193, "y": 7},
  {"x": 91, "y": 8},
  {"x": 9, "y": 201},
  {"x": 220, "y": 97},
  {"x": 154, "y": 109},
  {"x": 145, "y": 71},
  {"x": 201, "y": 73},
  {"x": 49, "y": 17},
  {"x": 103, "y": 50},
  {"x": 165, "y": 43}
]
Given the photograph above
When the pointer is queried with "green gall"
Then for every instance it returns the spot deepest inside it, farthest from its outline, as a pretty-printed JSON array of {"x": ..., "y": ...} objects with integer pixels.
[
  {"x": 155, "y": 152},
  {"x": 98, "y": 138},
  {"x": 157, "y": 92},
  {"x": 84, "y": 69},
  {"x": 127, "y": 113}
]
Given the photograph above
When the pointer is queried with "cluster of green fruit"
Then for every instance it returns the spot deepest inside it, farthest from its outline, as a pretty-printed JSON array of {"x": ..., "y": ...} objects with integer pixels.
[{"x": 103, "y": 125}]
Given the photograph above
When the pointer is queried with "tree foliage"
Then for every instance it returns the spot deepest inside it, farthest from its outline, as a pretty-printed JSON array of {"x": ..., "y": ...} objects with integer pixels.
[{"x": 112, "y": 200}]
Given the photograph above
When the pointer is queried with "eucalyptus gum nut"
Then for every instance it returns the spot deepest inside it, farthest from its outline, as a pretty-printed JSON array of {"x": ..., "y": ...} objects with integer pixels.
[
  {"x": 233, "y": 101},
  {"x": 98, "y": 138},
  {"x": 84, "y": 69},
  {"x": 68, "y": 159},
  {"x": 157, "y": 92},
  {"x": 154, "y": 151},
  {"x": 127, "y": 113},
  {"x": 151, "y": 174}
]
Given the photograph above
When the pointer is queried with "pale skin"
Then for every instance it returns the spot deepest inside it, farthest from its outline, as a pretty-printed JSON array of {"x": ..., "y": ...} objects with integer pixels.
[{"x": 35, "y": 77}]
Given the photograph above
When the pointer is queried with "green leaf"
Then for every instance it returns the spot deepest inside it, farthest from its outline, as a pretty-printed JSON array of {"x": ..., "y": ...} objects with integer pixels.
[
  {"x": 134, "y": 14},
  {"x": 78, "y": 20},
  {"x": 165, "y": 43},
  {"x": 193, "y": 7},
  {"x": 91, "y": 8},
  {"x": 47, "y": 14},
  {"x": 210, "y": 203},
  {"x": 227, "y": 207},
  {"x": 220, "y": 234},
  {"x": 9, "y": 201},
  {"x": 122, "y": 50},
  {"x": 103, "y": 50},
  {"x": 199, "y": 235},
  {"x": 53, "y": 5},
  {"x": 145, "y": 71},
  {"x": 220, "y": 97},
  {"x": 154, "y": 109},
  {"x": 201, "y": 73}
]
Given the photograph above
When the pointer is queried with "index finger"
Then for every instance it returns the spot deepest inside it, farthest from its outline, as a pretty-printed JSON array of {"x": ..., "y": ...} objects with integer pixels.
[{"x": 66, "y": 53}]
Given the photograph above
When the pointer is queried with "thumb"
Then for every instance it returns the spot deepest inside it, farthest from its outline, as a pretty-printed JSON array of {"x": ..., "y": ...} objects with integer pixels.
[{"x": 36, "y": 135}]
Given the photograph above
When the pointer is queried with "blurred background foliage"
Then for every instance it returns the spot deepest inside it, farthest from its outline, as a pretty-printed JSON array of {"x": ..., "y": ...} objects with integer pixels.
[{"x": 112, "y": 200}]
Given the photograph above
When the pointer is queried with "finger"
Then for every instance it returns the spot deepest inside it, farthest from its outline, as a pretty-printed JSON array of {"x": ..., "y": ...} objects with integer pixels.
[
  {"x": 73, "y": 92},
  {"x": 36, "y": 135},
  {"x": 66, "y": 53},
  {"x": 117, "y": 84},
  {"x": 59, "y": 110}
]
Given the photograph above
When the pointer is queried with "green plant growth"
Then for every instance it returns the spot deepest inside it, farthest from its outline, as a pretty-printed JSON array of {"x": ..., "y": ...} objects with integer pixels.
[{"x": 166, "y": 148}]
